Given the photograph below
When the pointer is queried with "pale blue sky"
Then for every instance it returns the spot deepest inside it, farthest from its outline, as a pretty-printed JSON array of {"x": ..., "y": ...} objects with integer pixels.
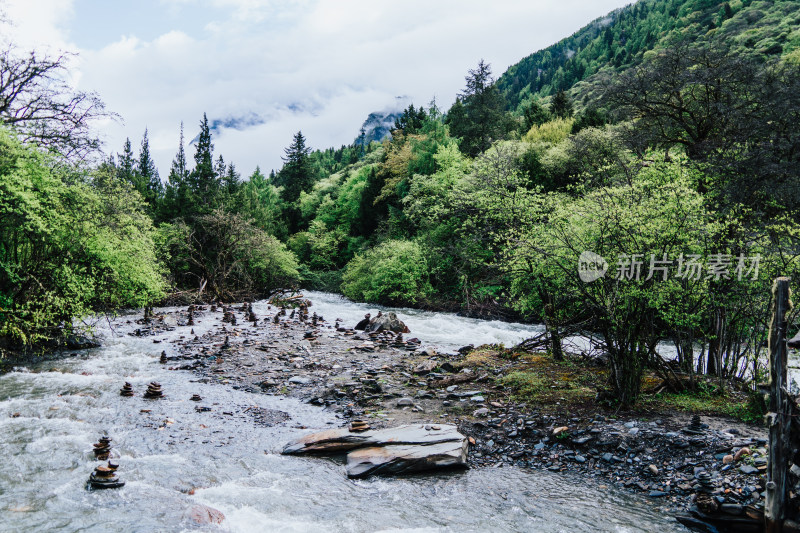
[{"x": 320, "y": 66}]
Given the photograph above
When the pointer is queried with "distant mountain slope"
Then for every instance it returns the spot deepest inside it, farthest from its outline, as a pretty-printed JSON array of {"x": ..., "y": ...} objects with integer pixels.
[{"x": 620, "y": 40}]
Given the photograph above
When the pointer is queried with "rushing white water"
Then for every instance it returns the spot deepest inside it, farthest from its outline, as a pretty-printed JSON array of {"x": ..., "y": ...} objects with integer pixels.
[
  {"x": 173, "y": 457},
  {"x": 447, "y": 331}
]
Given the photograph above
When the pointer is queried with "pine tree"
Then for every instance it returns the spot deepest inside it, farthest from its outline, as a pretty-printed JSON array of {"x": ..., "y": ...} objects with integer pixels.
[
  {"x": 296, "y": 175},
  {"x": 177, "y": 193},
  {"x": 203, "y": 179},
  {"x": 148, "y": 173},
  {"x": 561, "y": 105},
  {"x": 126, "y": 163},
  {"x": 483, "y": 118}
]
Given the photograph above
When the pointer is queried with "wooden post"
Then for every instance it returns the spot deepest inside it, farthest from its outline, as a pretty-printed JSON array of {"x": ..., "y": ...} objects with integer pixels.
[{"x": 778, "y": 418}]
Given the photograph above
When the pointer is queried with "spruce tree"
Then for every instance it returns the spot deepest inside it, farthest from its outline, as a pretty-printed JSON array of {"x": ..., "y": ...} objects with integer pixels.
[
  {"x": 203, "y": 179},
  {"x": 478, "y": 117},
  {"x": 126, "y": 164},
  {"x": 148, "y": 173},
  {"x": 561, "y": 105},
  {"x": 296, "y": 175},
  {"x": 177, "y": 193}
]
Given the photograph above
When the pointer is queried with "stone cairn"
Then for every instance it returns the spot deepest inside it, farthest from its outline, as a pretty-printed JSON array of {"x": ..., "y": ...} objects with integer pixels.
[
  {"x": 102, "y": 448},
  {"x": 126, "y": 390},
  {"x": 196, "y": 398},
  {"x": 163, "y": 359},
  {"x": 105, "y": 477},
  {"x": 695, "y": 426},
  {"x": 190, "y": 322},
  {"x": 357, "y": 426},
  {"x": 153, "y": 391},
  {"x": 704, "y": 498}
]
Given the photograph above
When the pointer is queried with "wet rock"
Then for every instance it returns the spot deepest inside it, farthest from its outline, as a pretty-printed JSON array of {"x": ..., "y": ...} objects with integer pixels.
[
  {"x": 203, "y": 515},
  {"x": 153, "y": 391},
  {"x": 342, "y": 439},
  {"x": 362, "y": 325},
  {"x": 405, "y": 402},
  {"x": 387, "y": 322},
  {"x": 105, "y": 477},
  {"x": 80, "y": 342},
  {"x": 403, "y": 459},
  {"x": 299, "y": 380},
  {"x": 747, "y": 469},
  {"x": 102, "y": 448}
]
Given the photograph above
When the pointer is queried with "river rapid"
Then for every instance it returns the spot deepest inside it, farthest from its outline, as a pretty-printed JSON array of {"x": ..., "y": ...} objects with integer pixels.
[{"x": 173, "y": 457}]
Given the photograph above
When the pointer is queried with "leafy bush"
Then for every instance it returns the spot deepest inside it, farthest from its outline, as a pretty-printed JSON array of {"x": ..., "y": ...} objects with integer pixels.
[
  {"x": 71, "y": 244},
  {"x": 395, "y": 273}
]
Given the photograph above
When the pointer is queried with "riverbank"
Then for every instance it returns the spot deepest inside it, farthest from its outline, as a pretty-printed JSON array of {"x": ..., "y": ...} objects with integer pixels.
[{"x": 389, "y": 382}]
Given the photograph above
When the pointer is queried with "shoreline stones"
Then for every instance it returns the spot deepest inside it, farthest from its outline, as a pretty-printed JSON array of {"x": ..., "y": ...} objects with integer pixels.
[
  {"x": 126, "y": 390},
  {"x": 105, "y": 477},
  {"x": 153, "y": 391}
]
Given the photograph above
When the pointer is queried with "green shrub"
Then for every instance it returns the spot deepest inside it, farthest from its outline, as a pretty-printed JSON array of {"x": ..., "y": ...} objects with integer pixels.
[{"x": 394, "y": 273}]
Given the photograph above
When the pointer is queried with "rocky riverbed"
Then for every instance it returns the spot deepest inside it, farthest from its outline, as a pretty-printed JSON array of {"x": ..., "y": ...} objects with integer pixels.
[{"x": 390, "y": 380}]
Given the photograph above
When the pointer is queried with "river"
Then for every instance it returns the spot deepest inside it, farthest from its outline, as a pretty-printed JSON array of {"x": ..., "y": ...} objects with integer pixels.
[{"x": 173, "y": 457}]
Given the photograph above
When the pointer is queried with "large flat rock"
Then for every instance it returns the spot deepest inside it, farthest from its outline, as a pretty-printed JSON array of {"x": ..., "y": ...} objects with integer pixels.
[
  {"x": 342, "y": 439},
  {"x": 405, "y": 459}
]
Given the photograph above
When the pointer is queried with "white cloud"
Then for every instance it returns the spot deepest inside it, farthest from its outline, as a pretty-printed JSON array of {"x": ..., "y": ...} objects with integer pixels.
[{"x": 334, "y": 61}]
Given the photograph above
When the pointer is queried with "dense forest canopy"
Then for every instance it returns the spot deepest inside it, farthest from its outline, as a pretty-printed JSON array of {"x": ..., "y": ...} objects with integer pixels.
[{"x": 661, "y": 140}]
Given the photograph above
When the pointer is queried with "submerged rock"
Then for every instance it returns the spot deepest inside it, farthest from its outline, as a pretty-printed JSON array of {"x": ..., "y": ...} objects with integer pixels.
[{"x": 202, "y": 514}]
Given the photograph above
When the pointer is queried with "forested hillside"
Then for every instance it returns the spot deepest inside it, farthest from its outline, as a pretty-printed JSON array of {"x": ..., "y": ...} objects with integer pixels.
[
  {"x": 622, "y": 39},
  {"x": 660, "y": 140}
]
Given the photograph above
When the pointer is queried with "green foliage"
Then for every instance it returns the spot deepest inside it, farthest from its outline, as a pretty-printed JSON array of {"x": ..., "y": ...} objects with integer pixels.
[
  {"x": 478, "y": 117},
  {"x": 394, "y": 272},
  {"x": 71, "y": 244},
  {"x": 552, "y": 132}
]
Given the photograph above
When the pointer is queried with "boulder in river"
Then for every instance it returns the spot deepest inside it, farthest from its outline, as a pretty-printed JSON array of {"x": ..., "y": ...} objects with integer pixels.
[
  {"x": 387, "y": 322},
  {"x": 405, "y": 459},
  {"x": 342, "y": 439},
  {"x": 203, "y": 515},
  {"x": 400, "y": 450}
]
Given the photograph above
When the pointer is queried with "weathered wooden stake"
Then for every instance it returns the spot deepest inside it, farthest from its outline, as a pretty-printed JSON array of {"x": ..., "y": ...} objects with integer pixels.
[{"x": 778, "y": 419}]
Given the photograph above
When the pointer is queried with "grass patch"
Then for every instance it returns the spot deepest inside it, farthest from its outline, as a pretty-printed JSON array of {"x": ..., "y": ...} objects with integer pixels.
[{"x": 741, "y": 406}]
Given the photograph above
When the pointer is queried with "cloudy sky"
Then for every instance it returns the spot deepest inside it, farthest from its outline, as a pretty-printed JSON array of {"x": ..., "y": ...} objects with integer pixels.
[{"x": 273, "y": 67}]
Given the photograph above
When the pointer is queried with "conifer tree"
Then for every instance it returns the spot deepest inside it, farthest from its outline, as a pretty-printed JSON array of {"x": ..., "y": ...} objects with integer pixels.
[
  {"x": 478, "y": 117},
  {"x": 296, "y": 175},
  {"x": 561, "y": 105},
  {"x": 148, "y": 173},
  {"x": 126, "y": 163},
  {"x": 203, "y": 179}
]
